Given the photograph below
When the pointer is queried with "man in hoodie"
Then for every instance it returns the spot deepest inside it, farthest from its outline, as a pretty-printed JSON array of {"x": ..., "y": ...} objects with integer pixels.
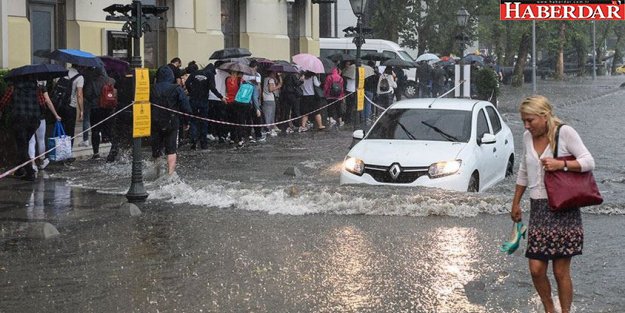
[
  {"x": 199, "y": 84},
  {"x": 165, "y": 123}
]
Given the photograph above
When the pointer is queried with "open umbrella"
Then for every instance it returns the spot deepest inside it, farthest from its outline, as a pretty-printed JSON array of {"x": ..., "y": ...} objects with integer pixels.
[
  {"x": 398, "y": 63},
  {"x": 328, "y": 65},
  {"x": 283, "y": 68},
  {"x": 77, "y": 57},
  {"x": 229, "y": 53},
  {"x": 309, "y": 62},
  {"x": 341, "y": 57},
  {"x": 427, "y": 57},
  {"x": 37, "y": 71},
  {"x": 350, "y": 72},
  {"x": 237, "y": 67},
  {"x": 115, "y": 65},
  {"x": 375, "y": 56},
  {"x": 470, "y": 58}
]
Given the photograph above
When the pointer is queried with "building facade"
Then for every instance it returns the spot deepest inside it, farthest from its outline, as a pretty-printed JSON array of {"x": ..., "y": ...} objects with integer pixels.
[{"x": 191, "y": 29}]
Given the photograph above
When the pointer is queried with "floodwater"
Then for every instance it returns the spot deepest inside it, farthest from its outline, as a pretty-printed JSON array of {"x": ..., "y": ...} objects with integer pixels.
[{"x": 231, "y": 233}]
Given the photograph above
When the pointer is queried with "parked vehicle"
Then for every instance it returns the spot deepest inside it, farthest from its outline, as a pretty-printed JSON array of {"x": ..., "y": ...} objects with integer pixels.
[
  {"x": 330, "y": 46},
  {"x": 456, "y": 144}
]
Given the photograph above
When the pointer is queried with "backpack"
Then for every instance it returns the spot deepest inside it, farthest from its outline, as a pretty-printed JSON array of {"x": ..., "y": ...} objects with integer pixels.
[
  {"x": 384, "y": 85},
  {"x": 245, "y": 93},
  {"x": 108, "y": 96},
  {"x": 164, "y": 119},
  {"x": 61, "y": 95},
  {"x": 335, "y": 90}
]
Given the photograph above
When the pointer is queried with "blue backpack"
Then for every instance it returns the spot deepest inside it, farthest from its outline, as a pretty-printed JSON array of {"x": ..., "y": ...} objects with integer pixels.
[{"x": 245, "y": 93}]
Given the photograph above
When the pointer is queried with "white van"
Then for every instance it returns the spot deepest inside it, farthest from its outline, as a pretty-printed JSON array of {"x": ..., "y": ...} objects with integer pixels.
[{"x": 330, "y": 46}]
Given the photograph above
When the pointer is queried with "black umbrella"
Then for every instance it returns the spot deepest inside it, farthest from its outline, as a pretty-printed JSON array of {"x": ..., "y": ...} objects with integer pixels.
[
  {"x": 469, "y": 58},
  {"x": 237, "y": 67},
  {"x": 37, "y": 71},
  {"x": 398, "y": 63},
  {"x": 328, "y": 65},
  {"x": 283, "y": 68},
  {"x": 77, "y": 57},
  {"x": 230, "y": 53},
  {"x": 375, "y": 56},
  {"x": 115, "y": 65}
]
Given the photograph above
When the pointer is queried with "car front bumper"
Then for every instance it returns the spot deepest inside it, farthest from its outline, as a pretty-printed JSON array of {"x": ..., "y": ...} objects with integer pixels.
[{"x": 457, "y": 182}]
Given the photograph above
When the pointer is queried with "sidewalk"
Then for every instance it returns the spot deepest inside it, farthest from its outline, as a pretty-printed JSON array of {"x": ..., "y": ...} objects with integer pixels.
[{"x": 81, "y": 152}]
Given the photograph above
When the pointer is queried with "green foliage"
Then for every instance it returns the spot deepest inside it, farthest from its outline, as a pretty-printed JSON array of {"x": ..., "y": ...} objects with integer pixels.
[{"x": 486, "y": 83}]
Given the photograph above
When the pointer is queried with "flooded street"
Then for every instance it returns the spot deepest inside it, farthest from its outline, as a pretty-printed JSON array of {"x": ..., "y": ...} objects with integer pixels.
[{"x": 232, "y": 233}]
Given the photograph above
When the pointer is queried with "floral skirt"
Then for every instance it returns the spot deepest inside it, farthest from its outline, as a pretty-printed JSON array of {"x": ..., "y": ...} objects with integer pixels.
[{"x": 553, "y": 235}]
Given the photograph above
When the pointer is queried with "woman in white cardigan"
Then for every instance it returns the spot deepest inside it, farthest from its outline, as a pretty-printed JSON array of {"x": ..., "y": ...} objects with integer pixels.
[{"x": 555, "y": 236}]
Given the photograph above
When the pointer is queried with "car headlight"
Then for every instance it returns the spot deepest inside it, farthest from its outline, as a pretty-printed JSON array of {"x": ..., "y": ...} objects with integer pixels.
[
  {"x": 444, "y": 168},
  {"x": 354, "y": 165}
]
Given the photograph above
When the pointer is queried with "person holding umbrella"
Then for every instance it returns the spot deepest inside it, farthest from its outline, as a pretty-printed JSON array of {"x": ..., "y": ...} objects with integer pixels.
[
  {"x": 74, "y": 107},
  {"x": 26, "y": 101}
]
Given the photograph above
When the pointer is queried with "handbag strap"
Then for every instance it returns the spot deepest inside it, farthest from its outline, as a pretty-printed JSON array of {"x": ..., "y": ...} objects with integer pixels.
[{"x": 555, "y": 149}]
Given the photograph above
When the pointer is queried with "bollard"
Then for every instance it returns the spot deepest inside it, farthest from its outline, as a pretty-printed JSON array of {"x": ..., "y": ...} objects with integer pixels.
[
  {"x": 293, "y": 171},
  {"x": 41, "y": 230},
  {"x": 130, "y": 209}
]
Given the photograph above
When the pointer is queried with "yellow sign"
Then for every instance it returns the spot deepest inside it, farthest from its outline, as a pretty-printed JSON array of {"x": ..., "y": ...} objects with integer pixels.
[
  {"x": 361, "y": 77},
  {"x": 142, "y": 85},
  {"x": 141, "y": 119},
  {"x": 141, "y": 115},
  {"x": 361, "y": 99}
]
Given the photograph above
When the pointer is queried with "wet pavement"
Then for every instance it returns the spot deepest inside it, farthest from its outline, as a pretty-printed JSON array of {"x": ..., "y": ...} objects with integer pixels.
[{"x": 231, "y": 233}]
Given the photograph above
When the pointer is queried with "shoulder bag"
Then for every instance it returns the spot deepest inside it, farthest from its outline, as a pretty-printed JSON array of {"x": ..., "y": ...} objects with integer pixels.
[{"x": 567, "y": 190}]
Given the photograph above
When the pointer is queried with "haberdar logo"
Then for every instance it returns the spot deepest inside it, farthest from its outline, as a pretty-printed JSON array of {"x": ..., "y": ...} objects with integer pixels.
[{"x": 600, "y": 10}]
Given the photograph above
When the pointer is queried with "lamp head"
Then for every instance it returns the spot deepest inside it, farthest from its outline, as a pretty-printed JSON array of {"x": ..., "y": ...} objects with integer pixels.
[
  {"x": 462, "y": 17},
  {"x": 358, "y": 6}
]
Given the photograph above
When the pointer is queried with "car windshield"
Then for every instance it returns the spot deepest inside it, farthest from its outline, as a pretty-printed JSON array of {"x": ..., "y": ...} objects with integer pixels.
[
  {"x": 423, "y": 124},
  {"x": 405, "y": 55}
]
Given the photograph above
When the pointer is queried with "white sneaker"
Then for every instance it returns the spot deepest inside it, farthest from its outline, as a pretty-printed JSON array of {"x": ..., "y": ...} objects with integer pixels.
[
  {"x": 35, "y": 167},
  {"x": 289, "y": 130},
  {"x": 84, "y": 144},
  {"x": 44, "y": 163},
  {"x": 262, "y": 139},
  {"x": 273, "y": 133},
  {"x": 211, "y": 137}
]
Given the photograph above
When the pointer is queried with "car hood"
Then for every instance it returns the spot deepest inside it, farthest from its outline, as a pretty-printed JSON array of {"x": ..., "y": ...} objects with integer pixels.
[{"x": 406, "y": 152}]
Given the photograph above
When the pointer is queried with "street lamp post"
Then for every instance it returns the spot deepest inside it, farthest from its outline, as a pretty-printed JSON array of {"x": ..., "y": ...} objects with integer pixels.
[
  {"x": 358, "y": 6},
  {"x": 135, "y": 26},
  {"x": 462, "y": 18}
]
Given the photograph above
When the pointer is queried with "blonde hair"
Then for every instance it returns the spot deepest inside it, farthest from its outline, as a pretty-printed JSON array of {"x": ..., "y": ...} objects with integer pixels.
[{"x": 540, "y": 105}]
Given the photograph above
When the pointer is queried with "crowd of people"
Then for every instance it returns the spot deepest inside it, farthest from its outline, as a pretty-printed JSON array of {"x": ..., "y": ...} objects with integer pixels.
[{"x": 281, "y": 102}]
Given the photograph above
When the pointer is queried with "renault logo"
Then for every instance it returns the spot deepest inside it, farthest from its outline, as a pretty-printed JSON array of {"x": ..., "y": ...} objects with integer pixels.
[{"x": 395, "y": 170}]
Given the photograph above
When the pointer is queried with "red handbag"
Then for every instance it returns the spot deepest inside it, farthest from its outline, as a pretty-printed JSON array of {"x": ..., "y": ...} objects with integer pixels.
[{"x": 567, "y": 190}]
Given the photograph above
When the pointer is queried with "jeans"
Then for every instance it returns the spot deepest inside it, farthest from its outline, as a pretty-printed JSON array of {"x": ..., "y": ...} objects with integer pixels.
[
  {"x": 368, "y": 104},
  {"x": 199, "y": 128},
  {"x": 269, "y": 110}
]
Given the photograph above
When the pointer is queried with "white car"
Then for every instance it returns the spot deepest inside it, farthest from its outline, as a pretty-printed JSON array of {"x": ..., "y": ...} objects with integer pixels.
[{"x": 455, "y": 144}]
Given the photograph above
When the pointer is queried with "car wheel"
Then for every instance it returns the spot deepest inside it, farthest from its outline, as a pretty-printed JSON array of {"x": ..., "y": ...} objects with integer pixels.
[
  {"x": 474, "y": 183},
  {"x": 510, "y": 166},
  {"x": 411, "y": 90}
]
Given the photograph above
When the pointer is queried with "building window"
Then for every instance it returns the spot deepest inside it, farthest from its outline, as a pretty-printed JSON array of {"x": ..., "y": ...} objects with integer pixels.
[
  {"x": 47, "y": 22},
  {"x": 117, "y": 44},
  {"x": 230, "y": 24}
]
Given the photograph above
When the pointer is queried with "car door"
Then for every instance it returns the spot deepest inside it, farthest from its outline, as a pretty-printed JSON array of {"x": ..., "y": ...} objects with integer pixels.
[
  {"x": 485, "y": 152},
  {"x": 501, "y": 145}
]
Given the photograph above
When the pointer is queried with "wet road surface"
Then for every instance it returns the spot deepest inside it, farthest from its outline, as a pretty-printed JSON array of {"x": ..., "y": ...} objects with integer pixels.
[{"x": 231, "y": 233}]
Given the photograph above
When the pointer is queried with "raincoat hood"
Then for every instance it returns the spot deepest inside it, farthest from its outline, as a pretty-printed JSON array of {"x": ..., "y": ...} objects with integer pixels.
[{"x": 164, "y": 75}]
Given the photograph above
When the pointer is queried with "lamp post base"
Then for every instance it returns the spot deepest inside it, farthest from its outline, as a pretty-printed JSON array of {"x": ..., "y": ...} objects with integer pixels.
[{"x": 137, "y": 192}]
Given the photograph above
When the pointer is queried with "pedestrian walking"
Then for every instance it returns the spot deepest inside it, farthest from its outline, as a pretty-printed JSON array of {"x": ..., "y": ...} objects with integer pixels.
[
  {"x": 402, "y": 80},
  {"x": 197, "y": 85},
  {"x": 216, "y": 100},
  {"x": 165, "y": 123},
  {"x": 72, "y": 107},
  {"x": 552, "y": 236},
  {"x": 309, "y": 101}
]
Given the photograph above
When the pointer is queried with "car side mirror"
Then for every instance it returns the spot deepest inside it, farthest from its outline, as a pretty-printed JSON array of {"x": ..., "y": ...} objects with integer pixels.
[
  {"x": 358, "y": 134},
  {"x": 487, "y": 139}
]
